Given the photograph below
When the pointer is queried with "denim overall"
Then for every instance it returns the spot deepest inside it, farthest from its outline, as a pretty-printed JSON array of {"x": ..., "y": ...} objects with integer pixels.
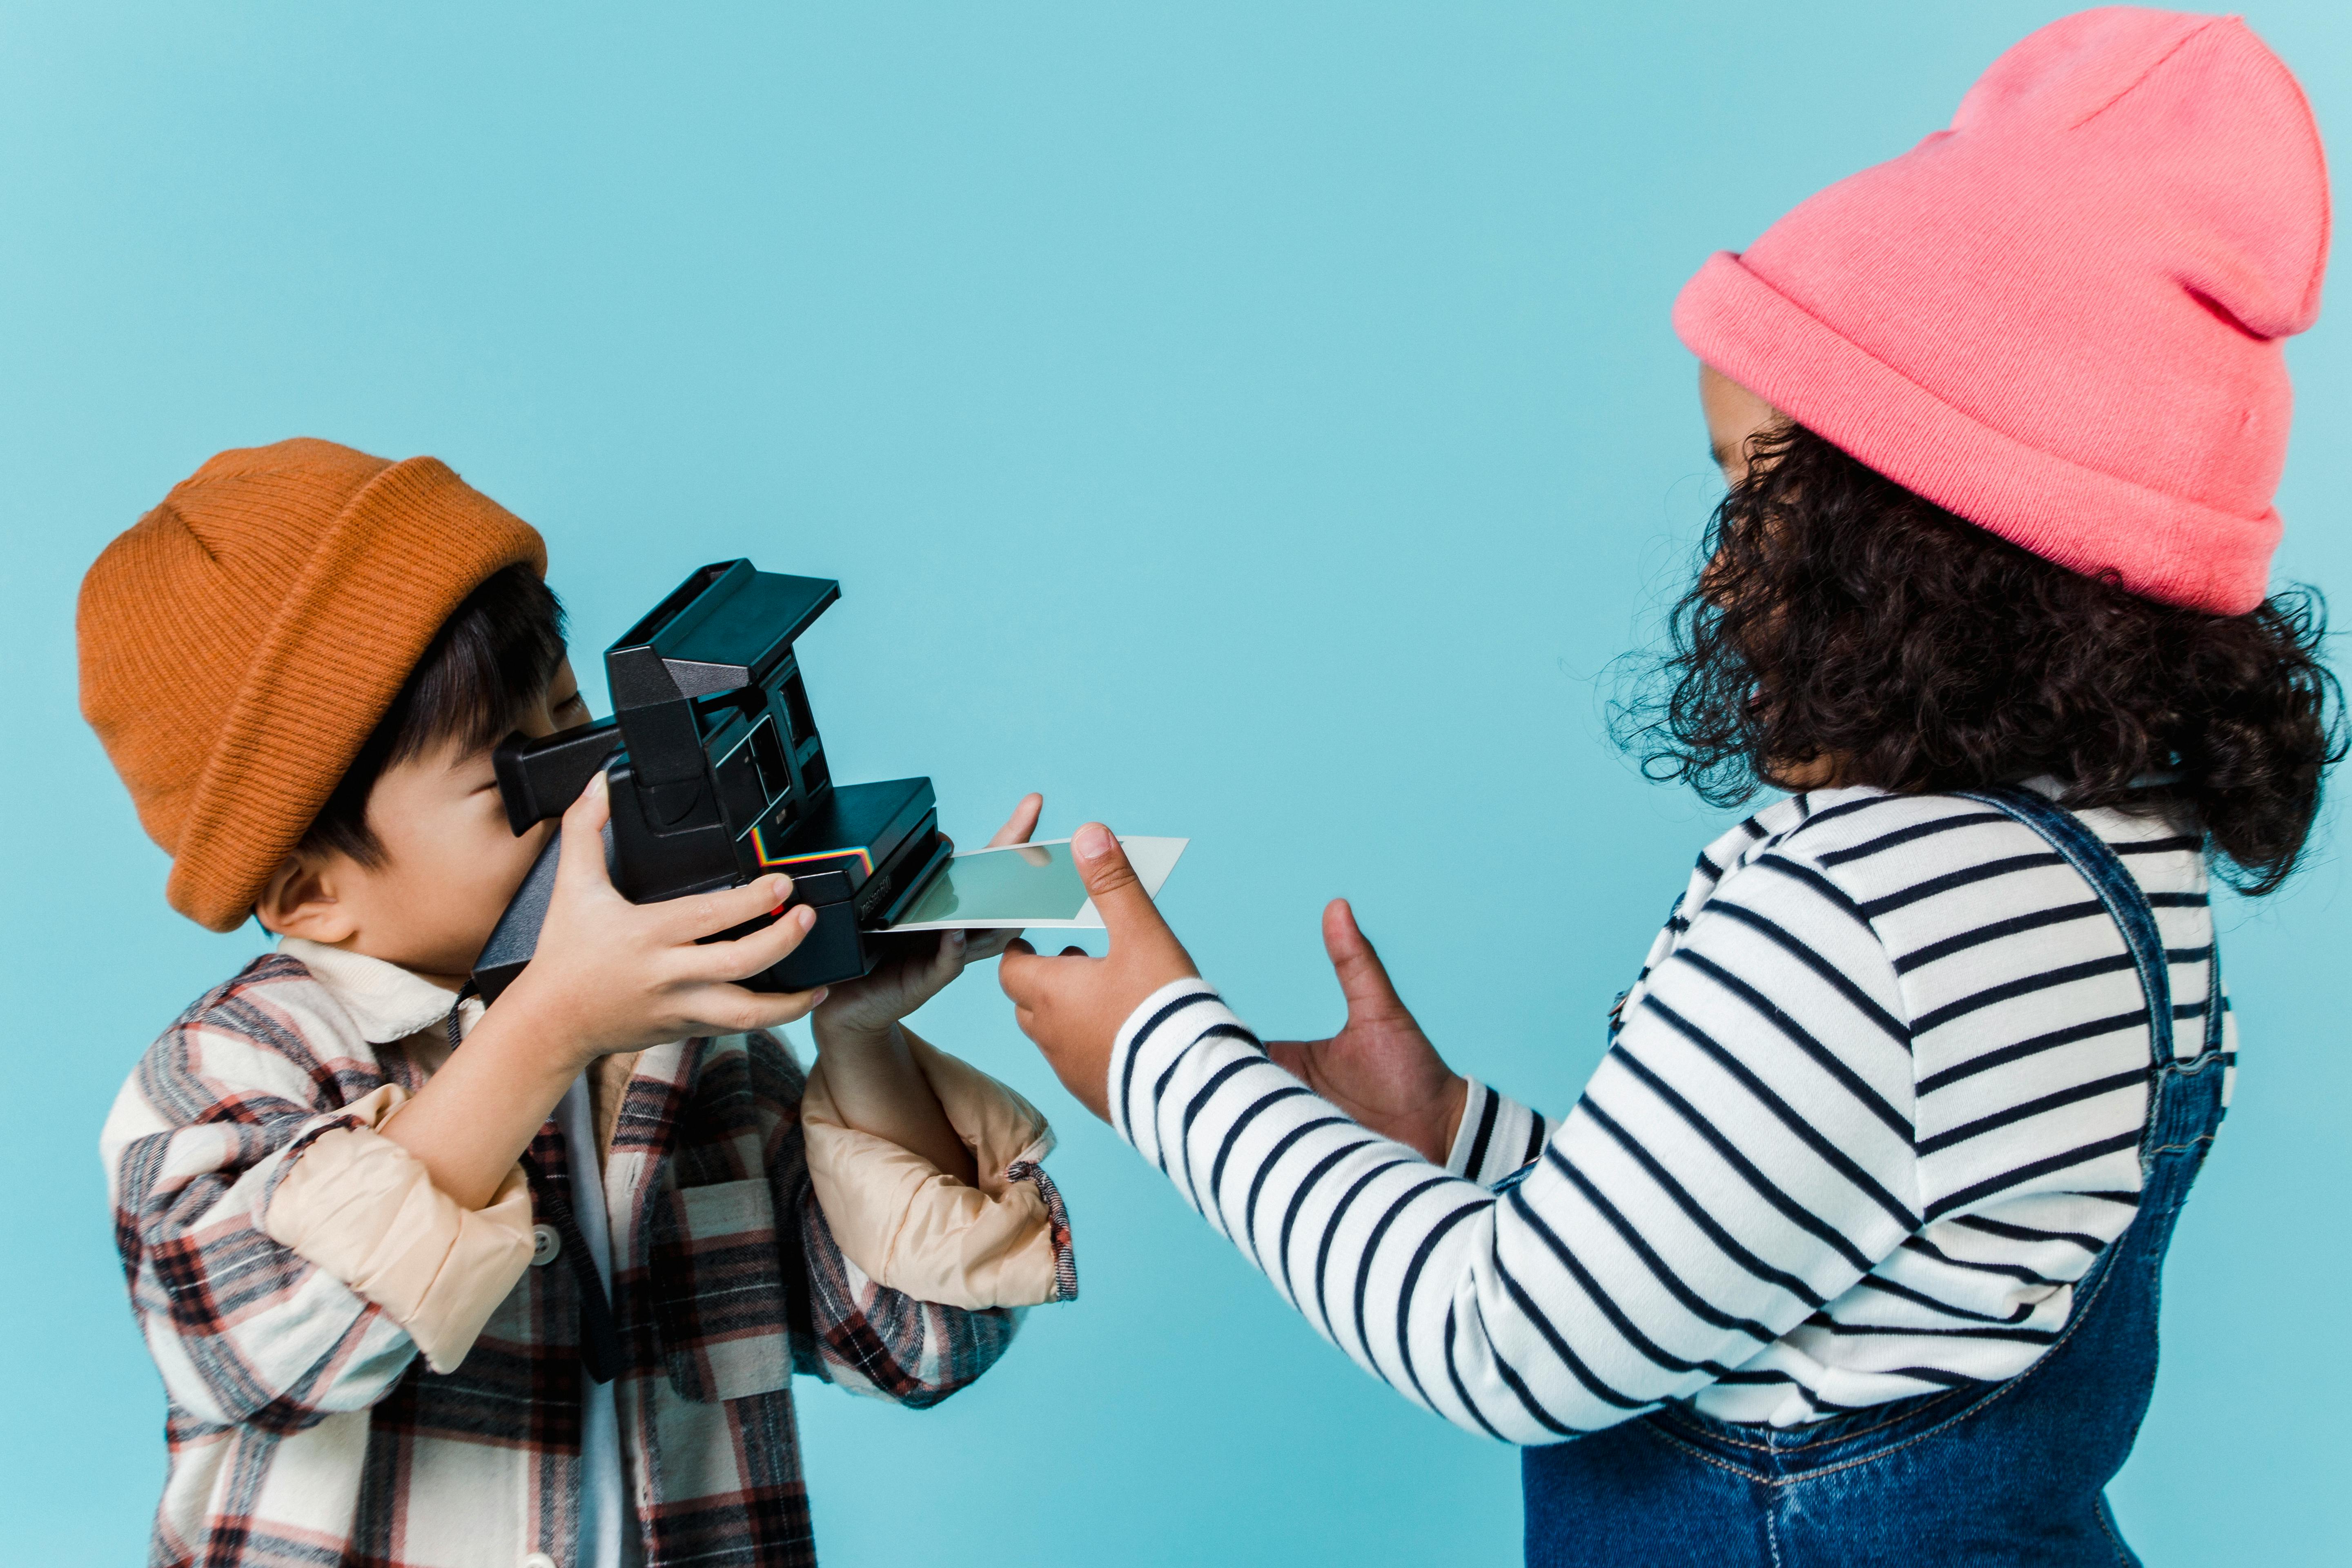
[{"x": 2008, "y": 1472}]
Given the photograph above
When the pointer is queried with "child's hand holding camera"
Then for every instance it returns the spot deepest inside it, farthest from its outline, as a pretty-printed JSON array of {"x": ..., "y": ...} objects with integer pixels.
[
  {"x": 872, "y": 1074},
  {"x": 610, "y": 975},
  {"x": 904, "y": 982}
]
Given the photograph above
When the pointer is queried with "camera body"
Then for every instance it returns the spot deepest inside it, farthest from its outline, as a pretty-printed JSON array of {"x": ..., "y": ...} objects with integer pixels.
[{"x": 718, "y": 776}]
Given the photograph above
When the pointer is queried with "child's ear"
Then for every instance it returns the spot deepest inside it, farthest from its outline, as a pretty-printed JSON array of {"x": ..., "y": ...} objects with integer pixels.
[{"x": 299, "y": 900}]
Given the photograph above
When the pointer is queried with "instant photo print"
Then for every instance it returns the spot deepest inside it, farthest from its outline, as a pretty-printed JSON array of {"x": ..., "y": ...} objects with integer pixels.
[{"x": 1022, "y": 887}]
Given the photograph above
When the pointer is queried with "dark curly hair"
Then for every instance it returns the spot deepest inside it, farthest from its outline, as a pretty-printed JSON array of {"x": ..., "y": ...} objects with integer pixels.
[{"x": 1844, "y": 626}]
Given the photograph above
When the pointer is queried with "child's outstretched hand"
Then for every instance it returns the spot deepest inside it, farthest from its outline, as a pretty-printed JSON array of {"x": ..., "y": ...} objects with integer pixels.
[
  {"x": 900, "y": 984},
  {"x": 1379, "y": 1068},
  {"x": 1071, "y": 1005}
]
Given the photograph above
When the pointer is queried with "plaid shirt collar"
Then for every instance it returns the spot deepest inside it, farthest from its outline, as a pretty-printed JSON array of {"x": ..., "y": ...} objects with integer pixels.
[{"x": 385, "y": 1002}]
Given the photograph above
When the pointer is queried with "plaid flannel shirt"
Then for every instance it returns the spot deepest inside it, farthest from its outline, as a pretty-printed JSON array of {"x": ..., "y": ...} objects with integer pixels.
[{"x": 305, "y": 1429}]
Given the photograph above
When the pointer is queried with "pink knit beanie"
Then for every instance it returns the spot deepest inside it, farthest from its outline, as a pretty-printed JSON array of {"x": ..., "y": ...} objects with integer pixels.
[{"x": 2063, "y": 317}]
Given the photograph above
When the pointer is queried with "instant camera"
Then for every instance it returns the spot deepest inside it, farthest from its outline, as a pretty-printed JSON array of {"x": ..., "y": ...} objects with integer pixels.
[{"x": 718, "y": 778}]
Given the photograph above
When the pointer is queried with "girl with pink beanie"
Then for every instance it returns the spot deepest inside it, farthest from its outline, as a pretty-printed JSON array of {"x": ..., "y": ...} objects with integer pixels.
[{"x": 1849, "y": 1252}]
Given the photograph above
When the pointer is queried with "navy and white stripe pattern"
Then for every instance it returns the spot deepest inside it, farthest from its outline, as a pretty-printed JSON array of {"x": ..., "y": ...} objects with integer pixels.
[
  {"x": 1497, "y": 1136},
  {"x": 1873, "y": 1105}
]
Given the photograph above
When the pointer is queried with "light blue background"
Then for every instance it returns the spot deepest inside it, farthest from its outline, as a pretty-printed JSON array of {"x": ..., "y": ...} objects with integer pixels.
[{"x": 1254, "y": 422}]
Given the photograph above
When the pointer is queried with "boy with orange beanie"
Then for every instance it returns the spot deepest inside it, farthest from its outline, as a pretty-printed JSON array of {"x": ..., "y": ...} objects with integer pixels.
[{"x": 430, "y": 1285}]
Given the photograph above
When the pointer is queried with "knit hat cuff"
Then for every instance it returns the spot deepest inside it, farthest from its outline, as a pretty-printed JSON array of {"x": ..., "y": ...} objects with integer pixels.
[
  {"x": 2158, "y": 545},
  {"x": 392, "y": 567}
]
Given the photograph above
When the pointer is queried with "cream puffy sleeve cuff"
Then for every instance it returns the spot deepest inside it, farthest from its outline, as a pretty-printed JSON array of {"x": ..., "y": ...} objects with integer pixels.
[
  {"x": 363, "y": 1209},
  {"x": 912, "y": 1227}
]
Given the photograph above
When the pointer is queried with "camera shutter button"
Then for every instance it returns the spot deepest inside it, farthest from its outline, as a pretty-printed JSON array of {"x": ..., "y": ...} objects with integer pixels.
[{"x": 544, "y": 1245}]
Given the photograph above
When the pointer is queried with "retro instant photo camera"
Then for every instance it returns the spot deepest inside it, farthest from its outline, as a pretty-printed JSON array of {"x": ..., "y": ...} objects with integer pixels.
[{"x": 719, "y": 776}]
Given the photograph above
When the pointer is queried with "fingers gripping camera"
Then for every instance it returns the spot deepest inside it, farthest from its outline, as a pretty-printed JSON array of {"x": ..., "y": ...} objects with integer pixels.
[{"x": 719, "y": 776}]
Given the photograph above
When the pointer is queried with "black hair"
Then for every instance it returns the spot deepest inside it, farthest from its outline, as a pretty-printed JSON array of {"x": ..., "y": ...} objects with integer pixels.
[
  {"x": 1839, "y": 618},
  {"x": 491, "y": 659}
]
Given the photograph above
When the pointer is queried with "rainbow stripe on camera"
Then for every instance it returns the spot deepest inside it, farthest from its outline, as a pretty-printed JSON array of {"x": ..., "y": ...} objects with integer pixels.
[{"x": 865, "y": 859}]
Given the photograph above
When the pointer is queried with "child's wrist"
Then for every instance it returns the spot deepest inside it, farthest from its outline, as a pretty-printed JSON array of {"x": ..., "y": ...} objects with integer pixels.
[
  {"x": 1455, "y": 1102},
  {"x": 839, "y": 1034},
  {"x": 540, "y": 1023}
]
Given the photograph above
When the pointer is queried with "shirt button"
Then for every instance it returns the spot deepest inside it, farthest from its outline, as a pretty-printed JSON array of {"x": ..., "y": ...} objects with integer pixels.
[
  {"x": 544, "y": 1245},
  {"x": 539, "y": 1559}
]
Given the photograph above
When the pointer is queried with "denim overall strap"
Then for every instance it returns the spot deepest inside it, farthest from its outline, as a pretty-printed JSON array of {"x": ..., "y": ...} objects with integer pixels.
[
  {"x": 2006, "y": 1472},
  {"x": 2112, "y": 881},
  {"x": 2178, "y": 1113}
]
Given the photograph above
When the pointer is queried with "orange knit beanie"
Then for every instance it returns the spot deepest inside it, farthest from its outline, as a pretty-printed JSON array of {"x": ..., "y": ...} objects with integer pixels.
[{"x": 240, "y": 641}]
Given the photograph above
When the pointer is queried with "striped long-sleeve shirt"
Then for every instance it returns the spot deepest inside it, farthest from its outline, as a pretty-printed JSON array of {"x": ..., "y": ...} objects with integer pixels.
[{"x": 1873, "y": 1105}]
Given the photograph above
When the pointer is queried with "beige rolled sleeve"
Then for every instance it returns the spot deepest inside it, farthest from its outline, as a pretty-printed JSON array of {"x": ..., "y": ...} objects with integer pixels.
[
  {"x": 363, "y": 1209},
  {"x": 911, "y": 1227}
]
